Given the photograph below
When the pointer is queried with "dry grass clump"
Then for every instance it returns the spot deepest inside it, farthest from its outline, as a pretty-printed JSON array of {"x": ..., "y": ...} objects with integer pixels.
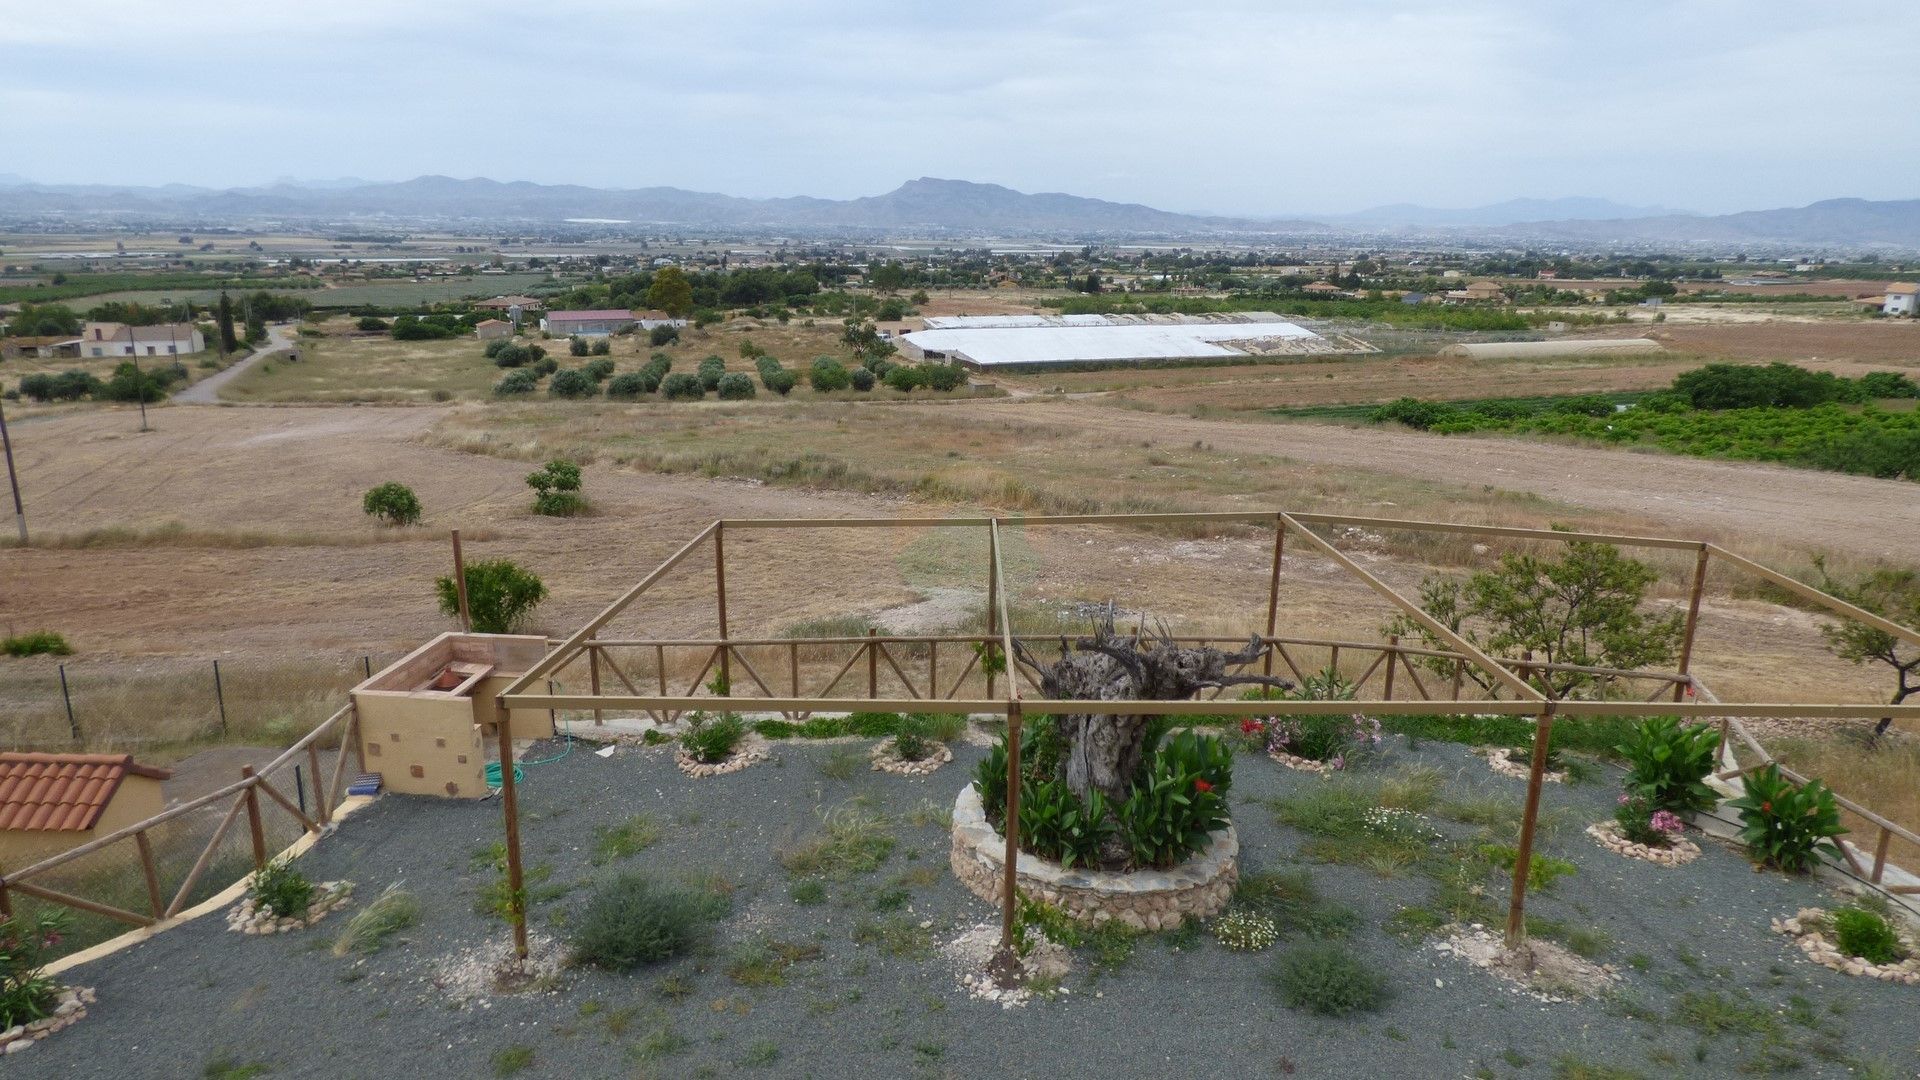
[{"x": 392, "y": 911}]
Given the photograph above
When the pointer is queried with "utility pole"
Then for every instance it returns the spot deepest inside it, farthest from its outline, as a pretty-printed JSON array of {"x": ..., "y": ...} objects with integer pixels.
[
  {"x": 19, "y": 514},
  {"x": 139, "y": 377}
]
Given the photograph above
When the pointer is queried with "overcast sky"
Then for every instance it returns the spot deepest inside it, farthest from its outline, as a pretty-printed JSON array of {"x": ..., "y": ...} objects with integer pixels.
[{"x": 1234, "y": 106}]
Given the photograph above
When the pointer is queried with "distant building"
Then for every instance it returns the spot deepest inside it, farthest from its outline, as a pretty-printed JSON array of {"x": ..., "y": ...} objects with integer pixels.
[
  {"x": 1321, "y": 288},
  {"x": 505, "y": 303},
  {"x": 650, "y": 319},
  {"x": 1413, "y": 298},
  {"x": 588, "y": 323},
  {"x": 52, "y": 802},
  {"x": 1903, "y": 298},
  {"x": 1485, "y": 290},
  {"x": 42, "y": 347},
  {"x": 119, "y": 339},
  {"x": 489, "y": 329}
]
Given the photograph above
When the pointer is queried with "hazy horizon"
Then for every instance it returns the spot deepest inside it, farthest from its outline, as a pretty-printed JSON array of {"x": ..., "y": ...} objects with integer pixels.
[{"x": 1240, "y": 108}]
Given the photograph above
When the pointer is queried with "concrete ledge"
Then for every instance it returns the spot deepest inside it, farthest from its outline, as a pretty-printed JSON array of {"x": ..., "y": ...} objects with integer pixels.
[{"x": 1144, "y": 899}]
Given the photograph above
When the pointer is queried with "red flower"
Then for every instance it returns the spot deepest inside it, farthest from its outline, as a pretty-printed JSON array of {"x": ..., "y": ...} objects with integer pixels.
[
  {"x": 1766, "y": 806},
  {"x": 1250, "y": 726},
  {"x": 1201, "y": 785}
]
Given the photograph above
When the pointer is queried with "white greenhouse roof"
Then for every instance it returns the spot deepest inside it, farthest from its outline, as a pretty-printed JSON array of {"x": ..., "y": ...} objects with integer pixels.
[{"x": 1054, "y": 340}]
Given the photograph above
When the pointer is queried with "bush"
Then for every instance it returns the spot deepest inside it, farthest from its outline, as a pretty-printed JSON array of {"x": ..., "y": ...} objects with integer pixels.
[
  {"x": 542, "y": 364},
  {"x": 663, "y": 335},
  {"x": 508, "y": 354},
  {"x": 279, "y": 888},
  {"x": 1327, "y": 978},
  {"x": 681, "y": 386},
  {"x": 556, "y": 486},
  {"x": 1866, "y": 935},
  {"x": 1414, "y": 413},
  {"x": 632, "y": 920},
  {"x": 710, "y": 371},
  {"x": 828, "y": 375},
  {"x": 36, "y": 643},
  {"x": 66, "y": 386},
  {"x": 27, "y": 992},
  {"x": 1642, "y": 821},
  {"x": 500, "y": 596},
  {"x": 1055, "y": 824},
  {"x": 391, "y": 502},
  {"x": 903, "y": 378},
  {"x": 1787, "y": 826},
  {"x": 576, "y": 346},
  {"x": 735, "y": 386},
  {"x": 862, "y": 379},
  {"x": 600, "y": 369},
  {"x": 1669, "y": 764},
  {"x": 573, "y": 383},
  {"x": 601, "y": 347},
  {"x": 1169, "y": 814},
  {"x": 943, "y": 377},
  {"x": 628, "y": 386},
  {"x": 517, "y": 382},
  {"x": 496, "y": 346},
  {"x": 710, "y": 739},
  {"x": 413, "y": 328},
  {"x": 371, "y": 324}
]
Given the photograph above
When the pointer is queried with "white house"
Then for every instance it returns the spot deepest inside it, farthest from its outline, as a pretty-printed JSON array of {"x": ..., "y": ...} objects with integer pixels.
[
  {"x": 119, "y": 339},
  {"x": 1903, "y": 298}
]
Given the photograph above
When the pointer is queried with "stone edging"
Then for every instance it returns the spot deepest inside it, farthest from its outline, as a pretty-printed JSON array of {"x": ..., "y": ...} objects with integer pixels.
[
  {"x": 1295, "y": 761},
  {"x": 1814, "y": 943},
  {"x": 70, "y": 1008},
  {"x": 884, "y": 760},
  {"x": 245, "y": 918},
  {"x": 1144, "y": 900},
  {"x": 1681, "y": 852},
  {"x": 750, "y": 750},
  {"x": 1500, "y": 758}
]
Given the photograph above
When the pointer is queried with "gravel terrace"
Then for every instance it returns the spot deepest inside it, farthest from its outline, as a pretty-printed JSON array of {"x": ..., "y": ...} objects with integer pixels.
[{"x": 198, "y": 998}]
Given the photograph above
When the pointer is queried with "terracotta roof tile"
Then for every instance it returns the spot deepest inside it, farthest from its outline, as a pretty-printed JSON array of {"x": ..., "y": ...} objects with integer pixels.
[{"x": 62, "y": 792}]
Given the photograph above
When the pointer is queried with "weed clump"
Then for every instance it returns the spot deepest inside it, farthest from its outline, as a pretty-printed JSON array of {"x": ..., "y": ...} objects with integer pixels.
[
  {"x": 633, "y": 919},
  {"x": 1327, "y": 978}
]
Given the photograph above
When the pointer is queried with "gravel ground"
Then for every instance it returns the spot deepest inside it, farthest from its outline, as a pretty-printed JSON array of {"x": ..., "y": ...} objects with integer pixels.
[{"x": 198, "y": 997}]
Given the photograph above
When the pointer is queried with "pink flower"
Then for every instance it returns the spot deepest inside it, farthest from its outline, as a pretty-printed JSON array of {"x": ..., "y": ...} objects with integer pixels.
[
  {"x": 1624, "y": 799},
  {"x": 1667, "y": 822}
]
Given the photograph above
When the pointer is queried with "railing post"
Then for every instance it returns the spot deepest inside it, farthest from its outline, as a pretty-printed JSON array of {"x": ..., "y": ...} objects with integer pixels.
[
  {"x": 593, "y": 676},
  {"x": 6, "y": 902},
  {"x": 253, "y": 820},
  {"x": 510, "y": 810},
  {"x": 873, "y": 664},
  {"x": 320, "y": 796},
  {"x": 933, "y": 671},
  {"x": 1459, "y": 672},
  {"x": 993, "y": 609},
  {"x": 460, "y": 585},
  {"x": 1393, "y": 657},
  {"x": 66, "y": 696},
  {"x": 1693, "y": 618},
  {"x": 151, "y": 874},
  {"x": 220, "y": 697},
  {"x": 1009, "y": 892},
  {"x": 1273, "y": 587},
  {"x": 720, "y": 600},
  {"x": 1523, "y": 860},
  {"x": 1880, "y": 854}
]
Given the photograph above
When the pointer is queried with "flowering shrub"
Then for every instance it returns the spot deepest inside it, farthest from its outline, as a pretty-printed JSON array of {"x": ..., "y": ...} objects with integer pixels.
[
  {"x": 1785, "y": 825},
  {"x": 1169, "y": 815},
  {"x": 1669, "y": 763},
  {"x": 1399, "y": 826},
  {"x": 1245, "y": 931},
  {"x": 1642, "y": 824},
  {"x": 27, "y": 993},
  {"x": 711, "y": 739},
  {"x": 281, "y": 889},
  {"x": 1339, "y": 741}
]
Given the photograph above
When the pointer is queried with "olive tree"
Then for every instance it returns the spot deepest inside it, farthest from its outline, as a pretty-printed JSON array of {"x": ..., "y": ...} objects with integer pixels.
[
  {"x": 393, "y": 503},
  {"x": 1890, "y": 594}
]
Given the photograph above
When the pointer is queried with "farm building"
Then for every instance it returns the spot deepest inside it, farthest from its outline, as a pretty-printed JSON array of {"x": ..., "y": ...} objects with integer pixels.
[
  {"x": 1514, "y": 350},
  {"x": 119, "y": 339},
  {"x": 508, "y": 303},
  {"x": 1903, "y": 298},
  {"x": 588, "y": 323},
  {"x": 1479, "y": 291},
  {"x": 52, "y": 802},
  {"x": 43, "y": 347},
  {"x": 1001, "y": 340},
  {"x": 489, "y": 329}
]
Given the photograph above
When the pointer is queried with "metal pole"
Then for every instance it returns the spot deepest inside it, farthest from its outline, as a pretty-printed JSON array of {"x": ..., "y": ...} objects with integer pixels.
[
  {"x": 720, "y": 599},
  {"x": 220, "y": 696},
  {"x": 13, "y": 479},
  {"x": 1693, "y": 619},
  {"x": 1273, "y": 588},
  {"x": 1523, "y": 861},
  {"x": 299, "y": 789},
  {"x": 459, "y": 587},
  {"x": 366, "y": 664},
  {"x": 67, "y": 697},
  {"x": 510, "y": 809}
]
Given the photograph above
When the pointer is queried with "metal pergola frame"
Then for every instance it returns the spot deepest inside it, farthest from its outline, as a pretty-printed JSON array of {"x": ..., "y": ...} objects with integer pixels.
[{"x": 1525, "y": 700}]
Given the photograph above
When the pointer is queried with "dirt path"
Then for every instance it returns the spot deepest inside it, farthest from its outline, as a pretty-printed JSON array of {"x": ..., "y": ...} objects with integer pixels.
[
  {"x": 1756, "y": 507},
  {"x": 207, "y": 390}
]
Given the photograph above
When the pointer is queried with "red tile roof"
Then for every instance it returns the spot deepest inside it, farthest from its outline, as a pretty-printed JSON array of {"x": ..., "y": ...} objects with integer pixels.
[{"x": 62, "y": 792}]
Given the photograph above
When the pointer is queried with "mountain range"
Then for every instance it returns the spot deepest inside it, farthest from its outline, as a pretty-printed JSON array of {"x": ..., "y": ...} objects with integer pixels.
[{"x": 930, "y": 206}]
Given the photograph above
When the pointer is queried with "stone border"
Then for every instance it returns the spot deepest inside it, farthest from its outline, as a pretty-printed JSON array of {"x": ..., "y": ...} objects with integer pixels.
[
  {"x": 1295, "y": 761},
  {"x": 1500, "y": 758},
  {"x": 1681, "y": 852},
  {"x": 885, "y": 760},
  {"x": 70, "y": 1009},
  {"x": 1144, "y": 899},
  {"x": 1803, "y": 928},
  {"x": 752, "y": 748},
  {"x": 245, "y": 918}
]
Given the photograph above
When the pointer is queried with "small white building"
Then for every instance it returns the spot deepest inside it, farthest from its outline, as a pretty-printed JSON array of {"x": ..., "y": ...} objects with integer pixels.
[
  {"x": 1903, "y": 298},
  {"x": 119, "y": 339}
]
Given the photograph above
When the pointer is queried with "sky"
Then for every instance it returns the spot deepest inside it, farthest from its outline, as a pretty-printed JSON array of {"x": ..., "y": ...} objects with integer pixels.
[{"x": 1229, "y": 106}]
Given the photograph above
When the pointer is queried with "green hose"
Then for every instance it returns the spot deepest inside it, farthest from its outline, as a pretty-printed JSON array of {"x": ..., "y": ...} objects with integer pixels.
[{"x": 519, "y": 772}]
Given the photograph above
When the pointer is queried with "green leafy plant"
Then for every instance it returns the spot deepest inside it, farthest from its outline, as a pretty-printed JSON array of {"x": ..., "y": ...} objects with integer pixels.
[
  {"x": 1668, "y": 764},
  {"x": 500, "y": 595},
  {"x": 1055, "y": 824},
  {"x": 710, "y": 738},
  {"x": 628, "y": 386},
  {"x": 1169, "y": 814},
  {"x": 27, "y": 992},
  {"x": 516, "y": 382},
  {"x": 36, "y": 643},
  {"x": 990, "y": 778},
  {"x": 711, "y": 371},
  {"x": 391, "y": 502},
  {"x": 1195, "y": 754},
  {"x": 281, "y": 889},
  {"x": 556, "y": 488},
  {"x": 633, "y": 919},
  {"x": 681, "y": 386},
  {"x": 1867, "y": 935},
  {"x": 852, "y": 840},
  {"x": 1329, "y": 979},
  {"x": 1785, "y": 825},
  {"x": 734, "y": 386},
  {"x": 911, "y": 740}
]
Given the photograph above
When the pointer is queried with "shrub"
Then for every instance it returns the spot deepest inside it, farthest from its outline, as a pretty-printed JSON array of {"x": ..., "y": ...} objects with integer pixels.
[
  {"x": 413, "y": 328},
  {"x": 735, "y": 386},
  {"x": 601, "y": 347},
  {"x": 497, "y": 346},
  {"x": 36, "y": 643},
  {"x": 556, "y": 487},
  {"x": 1785, "y": 825},
  {"x": 711, "y": 738},
  {"x": 1169, "y": 814},
  {"x": 1866, "y": 935},
  {"x": 711, "y": 370},
  {"x": 1641, "y": 821},
  {"x": 573, "y": 383},
  {"x": 663, "y": 335},
  {"x": 828, "y": 375},
  {"x": 66, "y": 386},
  {"x": 500, "y": 595},
  {"x": 372, "y": 324},
  {"x": 599, "y": 370},
  {"x": 576, "y": 346},
  {"x": 633, "y": 919},
  {"x": 1057, "y": 825},
  {"x": 517, "y": 382},
  {"x": 780, "y": 382},
  {"x": 912, "y": 740},
  {"x": 861, "y": 379},
  {"x": 681, "y": 386},
  {"x": 1327, "y": 978},
  {"x": 943, "y": 377},
  {"x": 393, "y": 503},
  {"x": 903, "y": 378},
  {"x": 990, "y": 779},
  {"x": 392, "y": 911},
  {"x": 508, "y": 354},
  {"x": 27, "y": 992},
  {"x": 279, "y": 888},
  {"x": 1669, "y": 764},
  {"x": 1414, "y": 413},
  {"x": 542, "y": 364},
  {"x": 628, "y": 386}
]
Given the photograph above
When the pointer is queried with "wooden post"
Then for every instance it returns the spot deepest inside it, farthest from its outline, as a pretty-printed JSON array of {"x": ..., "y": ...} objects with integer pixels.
[
  {"x": 933, "y": 671},
  {"x": 873, "y": 664},
  {"x": 793, "y": 666},
  {"x": 993, "y": 608},
  {"x": 460, "y": 585},
  {"x": 6, "y": 903},
  {"x": 1010, "y": 897},
  {"x": 593, "y": 678},
  {"x": 354, "y": 733},
  {"x": 324, "y": 813},
  {"x": 1273, "y": 587},
  {"x": 253, "y": 820},
  {"x": 510, "y": 810},
  {"x": 1523, "y": 861},
  {"x": 1459, "y": 671},
  {"x": 152, "y": 875},
  {"x": 720, "y": 598},
  {"x": 1693, "y": 619},
  {"x": 1393, "y": 657}
]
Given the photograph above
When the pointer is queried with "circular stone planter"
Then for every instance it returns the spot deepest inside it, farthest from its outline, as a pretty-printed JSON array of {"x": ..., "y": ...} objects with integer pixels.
[
  {"x": 328, "y": 896},
  {"x": 1144, "y": 899},
  {"x": 1806, "y": 930},
  {"x": 1295, "y": 761},
  {"x": 1679, "y": 853},
  {"x": 70, "y": 1008},
  {"x": 885, "y": 760},
  {"x": 749, "y": 751},
  {"x": 1500, "y": 758}
]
